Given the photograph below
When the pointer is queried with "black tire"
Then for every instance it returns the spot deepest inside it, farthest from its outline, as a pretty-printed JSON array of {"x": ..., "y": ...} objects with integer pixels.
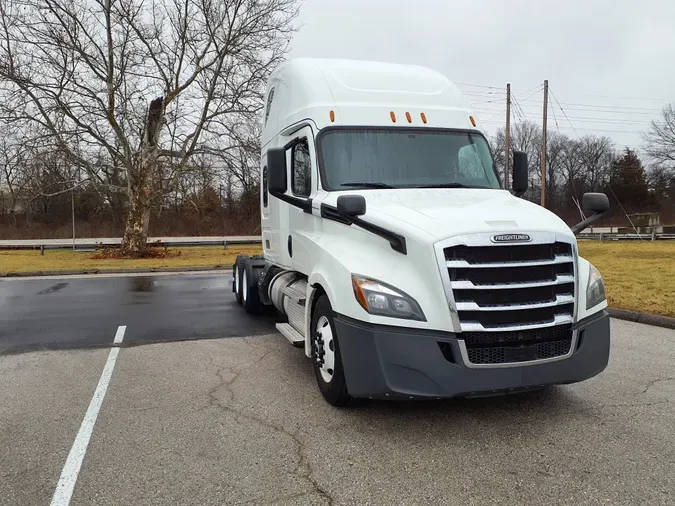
[
  {"x": 237, "y": 273},
  {"x": 335, "y": 392},
  {"x": 249, "y": 288}
]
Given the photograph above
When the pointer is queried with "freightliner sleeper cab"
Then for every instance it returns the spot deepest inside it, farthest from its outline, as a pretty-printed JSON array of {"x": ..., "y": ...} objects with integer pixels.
[{"x": 398, "y": 260}]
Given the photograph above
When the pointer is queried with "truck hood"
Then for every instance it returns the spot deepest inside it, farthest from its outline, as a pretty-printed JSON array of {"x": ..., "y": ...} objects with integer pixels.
[{"x": 443, "y": 213}]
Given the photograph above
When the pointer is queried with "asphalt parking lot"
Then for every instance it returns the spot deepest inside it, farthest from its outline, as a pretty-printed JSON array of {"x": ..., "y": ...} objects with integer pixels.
[
  {"x": 85, "y": 311},
  {"x": 217, "y": 408}
]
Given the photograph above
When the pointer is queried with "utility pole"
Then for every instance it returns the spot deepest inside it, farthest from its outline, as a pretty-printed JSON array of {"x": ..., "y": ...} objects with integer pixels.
[
  {"x": 543, "y": 147},
  {"x": 507, "y": 149}
]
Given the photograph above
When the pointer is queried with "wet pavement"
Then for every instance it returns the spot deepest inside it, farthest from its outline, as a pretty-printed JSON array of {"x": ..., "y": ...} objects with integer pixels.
[{"x": 78, "y": 312}]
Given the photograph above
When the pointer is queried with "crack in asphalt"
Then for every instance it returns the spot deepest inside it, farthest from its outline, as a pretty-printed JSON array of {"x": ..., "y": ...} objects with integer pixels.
[
  {"x": 303, "y": 468},
  {"x": 654, "y": 382},
  {"x": 636, "y": 404}
]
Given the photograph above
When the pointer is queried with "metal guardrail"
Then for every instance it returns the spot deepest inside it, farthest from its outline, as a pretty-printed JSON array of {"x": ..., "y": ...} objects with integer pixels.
[
  {"x": 88, "y": 246},
  {"x": 627, "y": 237}
]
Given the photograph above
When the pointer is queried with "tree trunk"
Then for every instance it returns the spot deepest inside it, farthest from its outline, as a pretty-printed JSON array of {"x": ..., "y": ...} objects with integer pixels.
[
  {"x": 142, "y": 184},
  {"x": 135, "y": 238}
]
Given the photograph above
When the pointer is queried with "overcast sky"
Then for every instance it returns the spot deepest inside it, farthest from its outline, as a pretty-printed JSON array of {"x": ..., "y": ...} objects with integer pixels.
[{"x": 623, "y": 50}]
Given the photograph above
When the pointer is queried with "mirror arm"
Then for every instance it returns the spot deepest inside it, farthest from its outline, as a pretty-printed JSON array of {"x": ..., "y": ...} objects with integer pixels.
[
  {"x": 520, "y": 193},
  {"x": 304, "y": 204},
  {"x": 584, "y": 224}
]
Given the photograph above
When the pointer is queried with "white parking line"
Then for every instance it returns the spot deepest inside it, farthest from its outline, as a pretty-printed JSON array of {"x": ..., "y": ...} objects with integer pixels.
[{"x": 66, "y": 485}]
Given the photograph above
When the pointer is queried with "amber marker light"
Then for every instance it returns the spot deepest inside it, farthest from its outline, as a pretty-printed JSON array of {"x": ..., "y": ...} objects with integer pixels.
[{"x": 358, "y": 292}]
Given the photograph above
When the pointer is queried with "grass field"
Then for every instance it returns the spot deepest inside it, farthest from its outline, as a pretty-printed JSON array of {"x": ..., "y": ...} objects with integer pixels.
[
  {"x": 62, "y": 260},
  {"x": 639, "y": 275}
]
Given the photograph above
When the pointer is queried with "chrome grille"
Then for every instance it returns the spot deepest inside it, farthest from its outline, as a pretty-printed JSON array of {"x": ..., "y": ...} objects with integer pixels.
[{"x": 512, "y": 287}]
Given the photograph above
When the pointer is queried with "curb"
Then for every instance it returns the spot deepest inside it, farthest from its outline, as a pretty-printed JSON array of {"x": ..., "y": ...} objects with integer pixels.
[
  {"x": 146, "y": 270},
  {"x": 645, "y": 318}
]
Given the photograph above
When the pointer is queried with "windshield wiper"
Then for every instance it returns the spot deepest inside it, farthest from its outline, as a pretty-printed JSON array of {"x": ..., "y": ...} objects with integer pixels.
[
  {"x": 368, "y": 185},
  {"x": 447, "y": 185}
]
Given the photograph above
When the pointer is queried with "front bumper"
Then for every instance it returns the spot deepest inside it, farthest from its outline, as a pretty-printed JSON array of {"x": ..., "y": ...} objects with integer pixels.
[{"x": 401, "y": 363}]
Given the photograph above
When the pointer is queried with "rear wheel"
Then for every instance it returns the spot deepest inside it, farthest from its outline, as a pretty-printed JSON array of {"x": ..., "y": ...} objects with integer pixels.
[
  {"x": 237, "y": 282},
  {"x": 249, "y": 289},
  {"x": 326, "y": 355}
]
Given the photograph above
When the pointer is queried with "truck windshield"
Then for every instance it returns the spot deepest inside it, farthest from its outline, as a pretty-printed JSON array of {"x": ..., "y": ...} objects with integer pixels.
[{"x": 398, "y": 158}]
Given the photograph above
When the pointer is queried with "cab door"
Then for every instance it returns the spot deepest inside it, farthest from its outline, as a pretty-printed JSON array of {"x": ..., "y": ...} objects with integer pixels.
[{"x": 301, "y": 160}]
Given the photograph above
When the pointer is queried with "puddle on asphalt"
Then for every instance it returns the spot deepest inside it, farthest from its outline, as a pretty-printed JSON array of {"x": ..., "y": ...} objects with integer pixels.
[
  {"x": 142, "y": 284},
  {"x": 53, "y": 288}
]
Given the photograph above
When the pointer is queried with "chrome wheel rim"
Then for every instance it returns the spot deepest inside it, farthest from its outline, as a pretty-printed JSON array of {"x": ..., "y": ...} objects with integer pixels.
[{"x": 324, "y": 349}]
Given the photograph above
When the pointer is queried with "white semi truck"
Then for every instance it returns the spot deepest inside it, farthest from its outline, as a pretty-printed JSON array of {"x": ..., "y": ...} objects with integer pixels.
[{"x": 393, "y": 252}]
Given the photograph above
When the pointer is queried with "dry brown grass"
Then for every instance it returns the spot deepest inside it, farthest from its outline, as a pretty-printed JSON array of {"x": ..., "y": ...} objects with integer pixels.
[
  {"x": 639, "y": 275},
  {"x": 66, "y": 260}
]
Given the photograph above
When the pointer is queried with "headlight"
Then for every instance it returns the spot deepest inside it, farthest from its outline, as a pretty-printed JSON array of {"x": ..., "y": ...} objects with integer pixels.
[
  {"x": 595, "y": 290},
  {"x": 381, "y": 299}
]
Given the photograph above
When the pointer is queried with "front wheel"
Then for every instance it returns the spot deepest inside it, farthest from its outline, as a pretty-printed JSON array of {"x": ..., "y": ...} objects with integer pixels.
[{"x": 326, "y": 355}]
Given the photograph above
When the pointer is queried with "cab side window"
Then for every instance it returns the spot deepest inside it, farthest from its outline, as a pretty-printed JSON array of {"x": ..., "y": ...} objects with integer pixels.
[{"x": 301, "y": 169}]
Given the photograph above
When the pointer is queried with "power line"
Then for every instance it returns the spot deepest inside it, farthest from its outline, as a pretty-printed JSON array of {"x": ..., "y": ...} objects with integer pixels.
[
  {"x": 555, "y": 118},
  {"x": 491, "y": 118},
  {"x": 477, "y": 85},
  {"x": 563, "y": 127},
  {"x": 493, "y": 101},
  {"x": 534, "y": 90},
  {"x": 522, "y": 114},
  {"x": 485, "y": 97},
  {"x": 601, "y": 130},
  {"x": 607, "y": 108},
  {"x": 483, "y": 92},
  {"x": 617, "y": 97},
  {"x": 585, "y": 119},
  {"x": 527, "y": 98},
  {"x": 488, "y": 100},
  {"x": 499, "y": 89}
]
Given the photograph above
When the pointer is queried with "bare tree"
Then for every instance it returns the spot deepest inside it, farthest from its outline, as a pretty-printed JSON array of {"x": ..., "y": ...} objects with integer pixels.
[
  {"x": 14, "y": 156},
  {"x": 242, "y": 160},
  {"x": 555, "y": 154},
  {"x": 660, "y": 139},
  {"x": 660, "y": 148},
  {"x": 148, "y": 85},
  {"x": 596, "y": 155},
  {"x": 525, "y": 136}
]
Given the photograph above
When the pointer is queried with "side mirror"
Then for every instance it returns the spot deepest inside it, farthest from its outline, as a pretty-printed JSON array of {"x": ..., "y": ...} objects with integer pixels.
[
  {"x": 276, "y": 170},
  {"x": 597, "y": 203},
  {"x": 351, "y": 205},
  {"x": 520, "y": 181}
]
